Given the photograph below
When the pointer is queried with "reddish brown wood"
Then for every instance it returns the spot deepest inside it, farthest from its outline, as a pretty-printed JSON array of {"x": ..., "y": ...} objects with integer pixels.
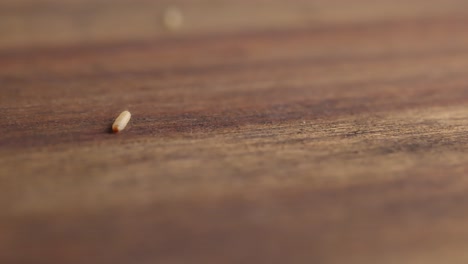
[{"x": 337, "y": 137}]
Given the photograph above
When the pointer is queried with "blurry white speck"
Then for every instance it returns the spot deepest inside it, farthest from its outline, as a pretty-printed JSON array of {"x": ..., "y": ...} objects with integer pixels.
[{"x": 173, "y": 18}]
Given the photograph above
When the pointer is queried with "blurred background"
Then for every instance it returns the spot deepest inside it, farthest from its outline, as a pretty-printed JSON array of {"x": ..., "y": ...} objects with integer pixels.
[{"x": 26, "y": 23}]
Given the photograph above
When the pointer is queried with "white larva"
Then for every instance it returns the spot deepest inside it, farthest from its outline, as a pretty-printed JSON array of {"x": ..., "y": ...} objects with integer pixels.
[{"x": 121, "y": 122}]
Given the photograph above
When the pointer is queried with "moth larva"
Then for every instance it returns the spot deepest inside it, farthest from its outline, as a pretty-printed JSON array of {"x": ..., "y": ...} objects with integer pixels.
[{"x": 121, "y": 122}]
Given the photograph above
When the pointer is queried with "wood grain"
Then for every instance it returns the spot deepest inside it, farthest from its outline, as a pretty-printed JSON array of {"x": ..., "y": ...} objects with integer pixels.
[{"x": 267, "y": 132}]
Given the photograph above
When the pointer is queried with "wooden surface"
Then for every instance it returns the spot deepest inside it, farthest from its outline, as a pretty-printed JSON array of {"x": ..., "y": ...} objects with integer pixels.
[{"x": 262, "y": 132}]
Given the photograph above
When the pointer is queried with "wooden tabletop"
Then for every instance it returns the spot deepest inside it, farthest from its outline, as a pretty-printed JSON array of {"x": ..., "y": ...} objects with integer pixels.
[{"x": 328, "y": 131}]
